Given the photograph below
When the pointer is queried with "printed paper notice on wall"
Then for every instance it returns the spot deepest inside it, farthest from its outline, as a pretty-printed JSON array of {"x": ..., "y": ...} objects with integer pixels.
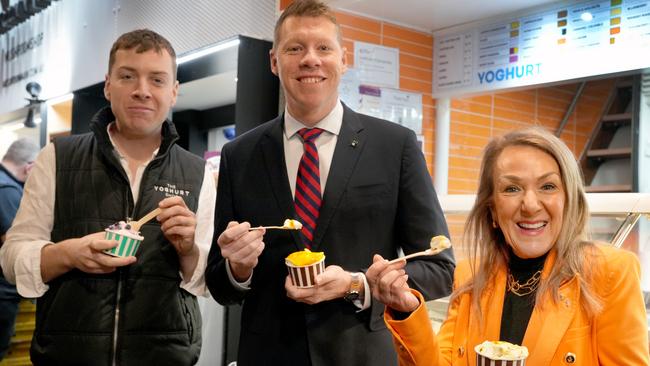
[
  {"x": 349, "y": 89},
  {"x": 377, "y": 65},
  {"x": 403, "y": 108},
  {"x": 370, "y": 101}
]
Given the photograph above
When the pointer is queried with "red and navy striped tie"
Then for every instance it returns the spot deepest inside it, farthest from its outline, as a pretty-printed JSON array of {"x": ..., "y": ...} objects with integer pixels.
[{"x": 308, "y": 198}]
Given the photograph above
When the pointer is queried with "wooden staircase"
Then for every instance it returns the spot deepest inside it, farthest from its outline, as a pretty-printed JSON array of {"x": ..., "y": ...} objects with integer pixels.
[
  {"x": 608, "y": 159},
  {"x": 18, "y": 354}
]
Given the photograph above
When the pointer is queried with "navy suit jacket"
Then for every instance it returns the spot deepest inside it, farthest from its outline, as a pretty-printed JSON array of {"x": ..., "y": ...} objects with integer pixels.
[{"x": 379, "y": 197}]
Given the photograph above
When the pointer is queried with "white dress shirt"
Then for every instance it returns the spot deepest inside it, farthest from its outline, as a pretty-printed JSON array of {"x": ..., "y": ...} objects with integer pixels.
[
  {"x": 21, "y": 253},
  {"x": 293, "y": 151}
]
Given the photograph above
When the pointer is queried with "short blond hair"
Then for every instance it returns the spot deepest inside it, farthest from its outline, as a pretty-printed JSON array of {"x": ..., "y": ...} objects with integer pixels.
[{"x": 305, "y": 8}]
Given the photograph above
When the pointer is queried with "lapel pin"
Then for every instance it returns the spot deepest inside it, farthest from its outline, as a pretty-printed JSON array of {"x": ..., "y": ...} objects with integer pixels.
[{"x": 354, "y": 143}]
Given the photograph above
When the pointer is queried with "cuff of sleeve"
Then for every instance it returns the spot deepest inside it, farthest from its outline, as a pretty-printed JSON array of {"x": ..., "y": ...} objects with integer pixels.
[
  {"x": 413, "y": 333},
  {"x": 418, "y": 315},
  {"x": 196, "y": 285},
  {"x": 367, "y": 295},
  {"x": 244, "y": 286},
  {"x": 29, "y": 281}
]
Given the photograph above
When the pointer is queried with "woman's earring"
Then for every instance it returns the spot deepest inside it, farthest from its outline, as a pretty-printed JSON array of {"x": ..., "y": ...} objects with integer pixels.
[{"x": 494, "y": 224}]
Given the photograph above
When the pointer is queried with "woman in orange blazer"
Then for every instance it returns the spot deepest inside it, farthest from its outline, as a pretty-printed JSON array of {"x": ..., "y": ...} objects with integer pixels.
[{"x": 532, "y": 277}]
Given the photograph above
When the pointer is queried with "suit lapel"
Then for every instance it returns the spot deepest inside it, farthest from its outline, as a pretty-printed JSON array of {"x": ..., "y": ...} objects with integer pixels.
[
  {"x": 492, "y": 305},
  {"x": 552, "y": 321},
  {"x": 273, "y": 150},
  {"x": 349, "y": 146}
]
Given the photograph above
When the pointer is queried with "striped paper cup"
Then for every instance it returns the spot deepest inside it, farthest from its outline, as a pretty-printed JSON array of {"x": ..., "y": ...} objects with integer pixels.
[
  {"x": 127, "y": 245},
  {"x": 486, "y": 350},
  {"x": 486, "y": 361},
  {"x": 305, "y": 276}
]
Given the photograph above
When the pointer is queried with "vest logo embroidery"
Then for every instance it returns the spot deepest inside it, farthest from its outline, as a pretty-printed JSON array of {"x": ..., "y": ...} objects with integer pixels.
[{"x": 170, "y": 190}]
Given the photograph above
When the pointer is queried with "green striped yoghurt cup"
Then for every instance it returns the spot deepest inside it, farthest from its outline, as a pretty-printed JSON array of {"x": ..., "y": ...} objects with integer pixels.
[{"x": 127, "y": 243}]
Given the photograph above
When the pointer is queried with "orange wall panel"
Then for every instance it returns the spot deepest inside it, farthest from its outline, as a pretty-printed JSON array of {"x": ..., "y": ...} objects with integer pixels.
[
  {"x": 415, "y": 73},
  {"x": 355, "y": 21},
  {"x": 408, "y": 35},
  {"x": 416, "y": 61},
  {"x": 408, "y": 47},
  {"x": 349, "y": 33},
  {"x": 415, "y": 85},
  {"x": 467, "y": 105}
]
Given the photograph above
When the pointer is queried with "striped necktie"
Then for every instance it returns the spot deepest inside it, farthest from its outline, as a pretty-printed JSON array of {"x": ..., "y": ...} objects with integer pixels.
[{"x": 308, "y": 197}]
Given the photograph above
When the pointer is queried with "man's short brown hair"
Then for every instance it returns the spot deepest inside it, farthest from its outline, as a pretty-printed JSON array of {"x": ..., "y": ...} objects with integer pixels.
[
  {"x": 305, "y": 8},
  {"x": 142, "y": 40}
]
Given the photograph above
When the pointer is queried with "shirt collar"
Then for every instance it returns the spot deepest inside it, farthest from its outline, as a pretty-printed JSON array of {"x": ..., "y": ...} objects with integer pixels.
[
  {"x": 331, "y": 123},
  {"x": 11, "y": 175},
  {"x": 110, "y": 130}
]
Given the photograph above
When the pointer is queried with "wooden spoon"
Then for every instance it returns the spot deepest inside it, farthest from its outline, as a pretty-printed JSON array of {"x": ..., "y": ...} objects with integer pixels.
[
  {"x": 289, "y": 224},
  {"x": 136, "y": 225},
  {"x": 438, "y": 244}
]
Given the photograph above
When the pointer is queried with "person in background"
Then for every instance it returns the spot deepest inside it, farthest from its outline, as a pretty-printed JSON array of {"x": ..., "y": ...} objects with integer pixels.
[
  {"x": 92, "y": 308},
  {"x": 358, "y": 184},
  {"x": 14, "y": 170},
  {"x": 532, "y": 276}
]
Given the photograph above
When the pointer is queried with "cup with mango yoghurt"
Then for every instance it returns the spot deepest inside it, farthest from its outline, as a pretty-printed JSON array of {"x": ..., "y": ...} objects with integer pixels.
[
  {"x": 500, "y": 353},
  {"x": 304, "y": 266}
]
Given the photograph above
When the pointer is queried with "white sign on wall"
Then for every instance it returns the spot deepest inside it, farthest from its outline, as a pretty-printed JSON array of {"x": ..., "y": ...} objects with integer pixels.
[
  {"x": 377, "y": 65},
  {"x": 403, "y": 108},
  {"x": 349, "y": 89},
  {"x": 566, "y": 41}
]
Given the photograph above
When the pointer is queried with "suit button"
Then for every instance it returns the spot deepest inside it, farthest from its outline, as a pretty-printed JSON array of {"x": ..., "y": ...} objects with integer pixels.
[
  {"x": 461, "y": 351},
  {"x": 570, "y": 358}
]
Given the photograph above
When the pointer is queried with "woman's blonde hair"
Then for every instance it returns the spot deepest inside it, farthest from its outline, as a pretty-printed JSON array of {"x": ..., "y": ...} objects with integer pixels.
[{"x": 488, "y": 249}]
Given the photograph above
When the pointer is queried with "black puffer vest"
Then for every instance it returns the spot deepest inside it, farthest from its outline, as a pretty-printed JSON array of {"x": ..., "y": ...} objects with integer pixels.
[{"x": 137, "y": 315}]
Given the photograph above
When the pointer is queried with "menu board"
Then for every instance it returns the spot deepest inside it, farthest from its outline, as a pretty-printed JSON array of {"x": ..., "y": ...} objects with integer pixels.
[{"x": 565, "y": 41}]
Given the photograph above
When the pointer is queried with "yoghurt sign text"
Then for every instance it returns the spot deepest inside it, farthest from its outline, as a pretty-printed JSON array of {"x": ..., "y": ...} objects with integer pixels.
[{"x": 509, "y": 73}]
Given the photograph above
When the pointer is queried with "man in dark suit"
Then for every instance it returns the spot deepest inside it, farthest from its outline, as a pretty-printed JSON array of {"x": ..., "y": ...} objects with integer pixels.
[{"x": 358, "y": 184}]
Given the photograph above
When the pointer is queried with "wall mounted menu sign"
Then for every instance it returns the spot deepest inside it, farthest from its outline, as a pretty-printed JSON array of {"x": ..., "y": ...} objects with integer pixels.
[{"x": 565, "y": 41}]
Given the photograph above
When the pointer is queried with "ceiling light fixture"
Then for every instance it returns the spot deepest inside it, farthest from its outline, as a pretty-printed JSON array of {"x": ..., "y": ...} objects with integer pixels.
[
  {"x": 60, "y": 99},
  {"x": 208, "y": 50}
]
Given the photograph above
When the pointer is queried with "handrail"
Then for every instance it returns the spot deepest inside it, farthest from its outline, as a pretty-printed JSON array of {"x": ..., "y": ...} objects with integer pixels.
[{"x": 569, "y": 110}]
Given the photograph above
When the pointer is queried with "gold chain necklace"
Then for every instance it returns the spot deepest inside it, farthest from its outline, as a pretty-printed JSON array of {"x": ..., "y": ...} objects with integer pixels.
[{"x": 524, "y": 289}]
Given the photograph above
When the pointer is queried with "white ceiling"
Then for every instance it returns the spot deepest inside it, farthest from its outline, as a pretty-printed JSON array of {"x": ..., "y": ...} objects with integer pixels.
[
  {"x": 209, "y": 92},
  {"x": 433, "y": 15}
]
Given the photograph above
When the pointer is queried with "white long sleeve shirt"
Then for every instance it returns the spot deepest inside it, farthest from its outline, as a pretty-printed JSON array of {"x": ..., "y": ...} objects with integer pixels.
[{"x": 20, "y": 255}]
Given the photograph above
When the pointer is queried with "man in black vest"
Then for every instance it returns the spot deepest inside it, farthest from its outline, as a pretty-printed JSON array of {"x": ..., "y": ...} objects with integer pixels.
[{"x": 94, "y": 309}]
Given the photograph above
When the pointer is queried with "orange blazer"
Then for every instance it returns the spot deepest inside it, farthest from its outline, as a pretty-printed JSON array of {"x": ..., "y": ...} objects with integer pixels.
[{"x": 556, "y": 333}]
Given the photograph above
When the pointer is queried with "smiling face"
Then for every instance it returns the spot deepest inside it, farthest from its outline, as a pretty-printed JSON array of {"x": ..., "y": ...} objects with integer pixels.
[
  {"x": 528, "y": 200},
  {"x": 309, "y": 61},
  {"x": 142, "y": 89}
]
